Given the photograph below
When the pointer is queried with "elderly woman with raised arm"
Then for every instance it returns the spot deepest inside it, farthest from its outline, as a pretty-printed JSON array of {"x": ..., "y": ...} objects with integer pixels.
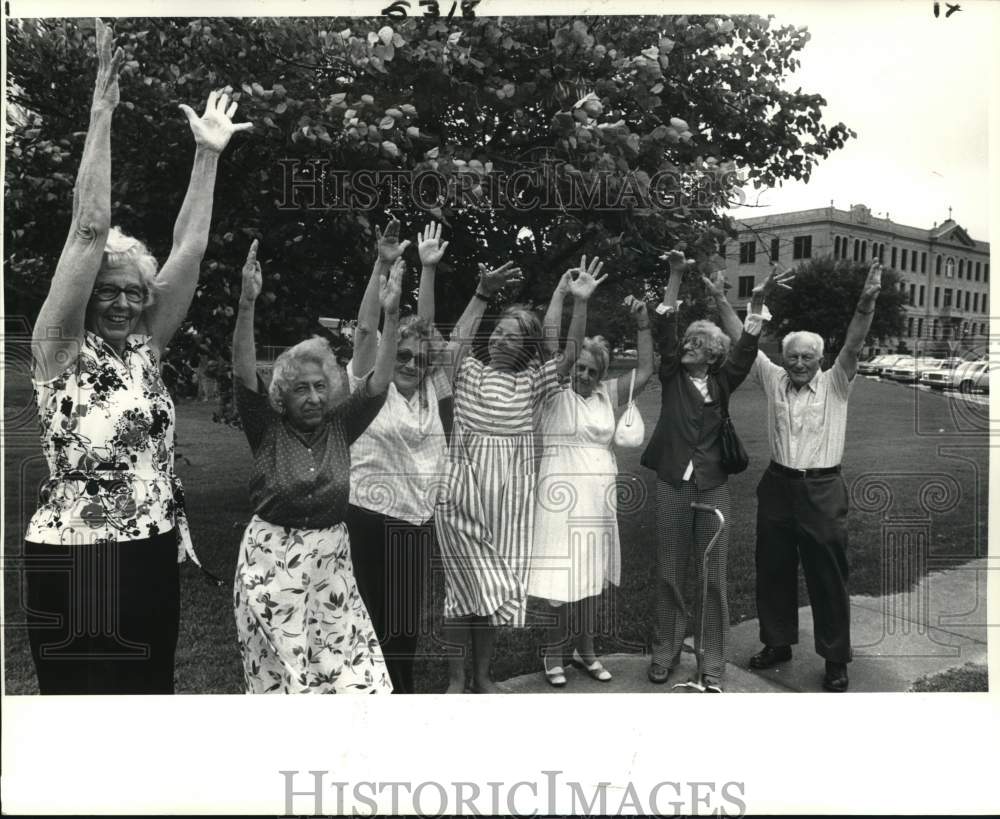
[
  {"x": 485, "y": 514},
  {"x": 111, "y": 512},
  {"x": 300, "y": 620},
  {"x": 576, "y": 552},
  {"x": 697, "y": 374},
  {"x": 396, "y": 462}
]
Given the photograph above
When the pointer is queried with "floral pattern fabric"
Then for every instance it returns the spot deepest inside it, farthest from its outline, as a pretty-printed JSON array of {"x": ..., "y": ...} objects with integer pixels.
[
  {"x": 300, "y": 620},
  {"x": 107, "y": 430}
]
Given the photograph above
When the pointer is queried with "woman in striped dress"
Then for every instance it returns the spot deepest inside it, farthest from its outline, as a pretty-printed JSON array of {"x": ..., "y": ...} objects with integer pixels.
[{"x": 484, "y": 518}]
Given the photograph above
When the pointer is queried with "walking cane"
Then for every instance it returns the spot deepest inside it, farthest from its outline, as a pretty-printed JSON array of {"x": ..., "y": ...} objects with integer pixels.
[{"x": 698, "y": 683}]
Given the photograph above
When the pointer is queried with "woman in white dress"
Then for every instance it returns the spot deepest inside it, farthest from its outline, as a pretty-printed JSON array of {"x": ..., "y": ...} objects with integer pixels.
[{"x": 576, "y": 550}]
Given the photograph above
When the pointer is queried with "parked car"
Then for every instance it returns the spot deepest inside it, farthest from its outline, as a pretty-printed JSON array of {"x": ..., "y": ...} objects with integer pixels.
[
  {"x": 940, "y": 377},
  {"x": 982, "y": 383},
  {"x": 870, "y": 367},
  {"x": 886, "y": 362},
  {"x": 900, "y": 369},
  {"x": 911, "y": 371},
  {"x": 966, "y": 377}
]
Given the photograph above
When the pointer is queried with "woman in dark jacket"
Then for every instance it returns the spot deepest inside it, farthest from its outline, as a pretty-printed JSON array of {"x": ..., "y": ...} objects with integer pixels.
[{"x": 696, "y": 375}]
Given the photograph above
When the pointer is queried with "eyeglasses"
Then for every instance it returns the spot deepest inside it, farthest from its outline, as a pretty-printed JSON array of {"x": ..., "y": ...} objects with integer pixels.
[
  {"x": 109, "y": 292},
  {"x": 406, "y": 356}
]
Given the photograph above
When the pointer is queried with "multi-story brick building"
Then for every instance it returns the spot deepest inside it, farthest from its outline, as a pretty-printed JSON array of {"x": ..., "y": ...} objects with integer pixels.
[{"x": 944, "y": 272}]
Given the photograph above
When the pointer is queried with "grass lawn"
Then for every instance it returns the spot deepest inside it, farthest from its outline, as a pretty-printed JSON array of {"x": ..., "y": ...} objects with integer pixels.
[
  {"x": 898, "y": 437},
  {"x": 969, "y": 677}
]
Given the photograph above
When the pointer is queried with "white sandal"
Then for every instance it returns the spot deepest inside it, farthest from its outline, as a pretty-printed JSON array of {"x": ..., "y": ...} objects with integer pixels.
[
  {"x": 556, "y": 677},
  {"x": 595, "y": 669}
]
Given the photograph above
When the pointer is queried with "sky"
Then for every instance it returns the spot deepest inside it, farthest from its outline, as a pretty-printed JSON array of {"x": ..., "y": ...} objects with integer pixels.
[{"x": 916, "y": 90}]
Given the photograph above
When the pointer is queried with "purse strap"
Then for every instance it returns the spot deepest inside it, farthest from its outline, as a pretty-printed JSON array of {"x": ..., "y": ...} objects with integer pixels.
[
  {"x": 723, "y": 395},
  {"x": 631, "y": 385}
]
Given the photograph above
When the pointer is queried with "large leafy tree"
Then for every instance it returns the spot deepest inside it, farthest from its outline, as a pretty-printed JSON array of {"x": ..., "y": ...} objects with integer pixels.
[
  {"x": 823, "y": 297},
  {"x": 684, "y": 104}
]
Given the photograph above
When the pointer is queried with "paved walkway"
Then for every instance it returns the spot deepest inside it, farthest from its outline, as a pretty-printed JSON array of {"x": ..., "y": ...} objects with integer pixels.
[{"x": 897, "y": 639}]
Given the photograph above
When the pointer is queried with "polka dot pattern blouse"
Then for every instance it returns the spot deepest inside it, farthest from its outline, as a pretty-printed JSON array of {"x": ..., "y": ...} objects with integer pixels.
[{"x": 302, "y": 481}]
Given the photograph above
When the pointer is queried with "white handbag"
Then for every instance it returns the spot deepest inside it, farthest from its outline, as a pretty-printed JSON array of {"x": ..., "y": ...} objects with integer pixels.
[{"x": 630, "y": 430}]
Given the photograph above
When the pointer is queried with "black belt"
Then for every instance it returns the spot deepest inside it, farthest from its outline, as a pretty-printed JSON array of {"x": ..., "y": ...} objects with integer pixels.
[{"x": 787, "y": 471}]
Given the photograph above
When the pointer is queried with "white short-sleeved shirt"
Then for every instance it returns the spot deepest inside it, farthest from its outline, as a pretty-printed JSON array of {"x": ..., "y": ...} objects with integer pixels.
[
  {"x": 396, "y": 463},
  {"x": 806, "y": 427}
]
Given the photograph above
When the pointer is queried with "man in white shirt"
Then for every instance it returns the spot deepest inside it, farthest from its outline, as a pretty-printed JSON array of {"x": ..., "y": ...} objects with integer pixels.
[{"x": 802, "y": 498}]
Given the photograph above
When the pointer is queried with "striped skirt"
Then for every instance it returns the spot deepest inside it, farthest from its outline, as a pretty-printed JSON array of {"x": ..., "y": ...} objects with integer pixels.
[
  {"x": 483, "y": 522},
  {"x": 300, "y": 620}
]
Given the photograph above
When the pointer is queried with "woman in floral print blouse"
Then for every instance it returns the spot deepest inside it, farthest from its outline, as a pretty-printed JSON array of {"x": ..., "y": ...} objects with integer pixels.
[{"x": 103, "y": 545}]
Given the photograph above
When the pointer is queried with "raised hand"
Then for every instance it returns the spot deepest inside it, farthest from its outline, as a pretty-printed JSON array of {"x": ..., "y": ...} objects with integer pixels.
[
  {"x": 716, "y": 284},
  {"x": 387, "y": 244},
  {"x": 106, "y": 96},
  {"x": 774, "y": 280},
  {"x": 252, "y": 279},
  {"x": 873, "y": 284},
  {"x": 637, "y": 309},
  {"x": 390, "y": 287},
  {"x": 429, "y": 245},
  {"x": 213, "y": 129},
  {"x": 583, "y": 285},
  {"x": 493, "y": 281},
  {"x": 677, "y": 262}
]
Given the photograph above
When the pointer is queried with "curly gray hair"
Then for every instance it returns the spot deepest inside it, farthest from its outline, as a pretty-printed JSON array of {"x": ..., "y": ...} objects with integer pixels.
[
  {"x": 716, "y": 342},
  {"x": 288, "y": 365}
]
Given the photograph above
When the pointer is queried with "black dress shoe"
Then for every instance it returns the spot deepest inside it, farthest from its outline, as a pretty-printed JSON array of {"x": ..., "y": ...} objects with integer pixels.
[
  {"x": 770, "y": 656},
  {"x": 835, "y": 678},
  {"x": 658, "y": 673}
]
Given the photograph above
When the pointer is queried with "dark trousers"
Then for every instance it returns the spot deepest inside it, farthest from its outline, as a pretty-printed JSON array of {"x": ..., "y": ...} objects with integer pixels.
[
  {"x": 103, "y": 618},
  {"x": 803, "y": 518},
  {"x": 392, "y": 568}
]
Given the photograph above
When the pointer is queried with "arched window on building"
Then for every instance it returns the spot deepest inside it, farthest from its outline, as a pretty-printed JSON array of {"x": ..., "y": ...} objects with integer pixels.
[
  {"x": 949, "y": 268},
  {"x": 857, "y": 249}
]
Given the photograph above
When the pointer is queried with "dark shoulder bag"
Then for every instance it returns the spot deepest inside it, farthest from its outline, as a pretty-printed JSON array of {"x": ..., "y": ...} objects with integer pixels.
[{"x": 734, "y": 456}]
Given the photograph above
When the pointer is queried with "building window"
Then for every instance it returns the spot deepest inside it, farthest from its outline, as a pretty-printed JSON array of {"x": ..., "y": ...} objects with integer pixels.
[
  {"x": 893, "y": 265},
  {"x": 937, "y": 296},
  {"x": 978, "y": 270},
  {"x": 975, "y": 302},
  {"x": 857, "y": 250},
  {"x": 934, "y": 328},
  {"x": 949, "y": 269},
  {"x": 920, "y": 328},
  {"x": 966, "y": 301},
  {"x": 775, "y": 247},
  {"x": 802, "y": 247},
  {"x": 937, "y": 266},
  {"x": 961, "y": 268},
  {"x": 986, "y": 273},
  {"x": 913, "y": 262},
  {"x": 909, "y": 327},
  {"x": 864, "y": 250},
  {"x": 947, "y": 297},
  {"x": 923, "y": 262},
  {"x": 748, "y": 252},
  {"x": 881, "y": 252},
  {"x": 913, "y": 295},
  {"x": 902, "y": 264},
  {"x": 746, "y": 286},
  {"x": 921, "y": 295},
  {"x": 985, "y": 308}
]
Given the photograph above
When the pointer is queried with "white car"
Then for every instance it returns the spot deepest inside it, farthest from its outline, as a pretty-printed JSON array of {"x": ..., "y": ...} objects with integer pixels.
[
  {"x": 911, "y": 370},
  {"x": 966, "y": 377},
  {"x": 939, "y": 378},
  {"x": 870, "y": 367}
]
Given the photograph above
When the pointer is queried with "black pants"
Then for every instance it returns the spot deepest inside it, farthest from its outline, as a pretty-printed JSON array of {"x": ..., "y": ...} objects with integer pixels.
[
  {"x": 392, "y": 568},
  {"x": 803, "y": 518},
  {"x": 103, "y": 619}
]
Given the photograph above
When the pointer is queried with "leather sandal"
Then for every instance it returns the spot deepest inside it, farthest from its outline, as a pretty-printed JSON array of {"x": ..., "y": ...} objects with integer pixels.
[
  {"x": 595, "y": 669},
  {"x": 555, "y": 676}
]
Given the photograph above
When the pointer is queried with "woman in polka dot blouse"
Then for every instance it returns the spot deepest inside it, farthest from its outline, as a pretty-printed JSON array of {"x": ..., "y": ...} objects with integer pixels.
[{"x": 300, "y": 620}]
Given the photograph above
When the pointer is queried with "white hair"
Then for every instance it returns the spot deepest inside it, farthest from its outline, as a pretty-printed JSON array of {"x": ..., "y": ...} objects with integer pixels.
[
  {"x": 717, "y": 342},
  {"x": 122, "y": 250},
  {"x": 812, "y": 339},
  {"x": 288, "y": 365}
]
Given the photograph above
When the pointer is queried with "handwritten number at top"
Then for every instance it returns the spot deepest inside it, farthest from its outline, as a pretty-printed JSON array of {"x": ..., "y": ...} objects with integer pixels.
[{"x": 432, "y": 8}]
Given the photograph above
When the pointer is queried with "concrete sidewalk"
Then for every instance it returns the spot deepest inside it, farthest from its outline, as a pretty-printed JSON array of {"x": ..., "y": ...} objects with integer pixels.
[{"x": 897, "y": 639}]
